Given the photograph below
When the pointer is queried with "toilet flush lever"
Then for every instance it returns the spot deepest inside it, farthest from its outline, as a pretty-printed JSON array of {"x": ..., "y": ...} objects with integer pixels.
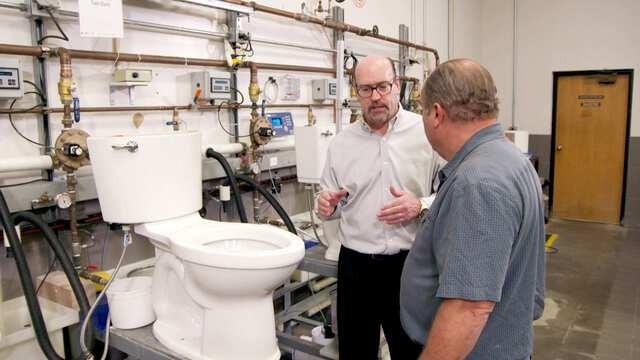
[{"x": 130, "y": 146}]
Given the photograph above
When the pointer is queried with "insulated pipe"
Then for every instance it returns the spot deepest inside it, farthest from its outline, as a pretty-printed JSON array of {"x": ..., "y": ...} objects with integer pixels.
[
  {"x": 225, "y": 149},
  {"x": 332, "y": 24},
  {"x": 23, "y": 163},
  {"x": 288, "y": 144},
  {"x": 63, "y": 259},
  {"x": 272, "y": 200},
  {"x": 210, "y": 153}
]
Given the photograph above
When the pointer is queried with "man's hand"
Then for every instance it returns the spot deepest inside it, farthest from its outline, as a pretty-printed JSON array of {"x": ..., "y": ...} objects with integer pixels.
[
  {"x": 404, "y": 207},
  {"x": 328, "y": 200}
]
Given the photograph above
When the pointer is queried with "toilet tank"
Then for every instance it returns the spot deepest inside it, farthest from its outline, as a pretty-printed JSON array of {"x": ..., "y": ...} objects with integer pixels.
[
  {"x": 146, "y": 178},
  {"x": 312, "y": 143}
]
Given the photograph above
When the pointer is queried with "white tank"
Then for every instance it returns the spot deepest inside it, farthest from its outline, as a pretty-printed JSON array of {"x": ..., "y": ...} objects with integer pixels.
[{"x": 147, "y": 178}]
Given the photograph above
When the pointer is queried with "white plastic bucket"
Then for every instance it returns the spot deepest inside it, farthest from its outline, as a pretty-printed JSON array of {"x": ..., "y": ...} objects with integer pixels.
[{"x": 130, "y": 302}]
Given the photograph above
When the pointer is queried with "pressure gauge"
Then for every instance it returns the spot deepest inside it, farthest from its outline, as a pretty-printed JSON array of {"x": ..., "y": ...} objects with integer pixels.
[{"x": 63, "y": 200}]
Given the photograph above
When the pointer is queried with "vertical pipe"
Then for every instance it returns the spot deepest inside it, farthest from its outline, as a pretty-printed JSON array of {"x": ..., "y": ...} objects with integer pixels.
[
  {"x": 514, "y": 75},
  {"x": 76, "y": 245},
  {"x": 64, "y": 86},
  {"x": 40, "y": 78},
  {"x": 340, "y": 83}
]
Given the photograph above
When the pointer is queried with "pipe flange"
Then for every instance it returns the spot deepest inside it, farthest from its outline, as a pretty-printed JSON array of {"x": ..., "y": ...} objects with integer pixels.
[
  {"x": 71, "y": 148},
  {"x": 46, "y": 51},
  {"x": 259, "y": 129}
]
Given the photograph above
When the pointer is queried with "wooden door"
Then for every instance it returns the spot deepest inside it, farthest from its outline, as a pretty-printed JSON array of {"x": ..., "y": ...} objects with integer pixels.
[{"x": 590, "y": 146}]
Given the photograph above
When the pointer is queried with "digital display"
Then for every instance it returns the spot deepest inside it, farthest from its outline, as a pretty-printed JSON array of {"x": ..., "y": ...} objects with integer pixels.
[
  {"x": 6, "y": 73},
  {"x": 276, "y": 121}
]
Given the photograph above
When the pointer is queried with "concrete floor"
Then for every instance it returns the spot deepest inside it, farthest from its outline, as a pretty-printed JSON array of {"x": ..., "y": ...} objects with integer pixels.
[{"x": 593, "y": 294}]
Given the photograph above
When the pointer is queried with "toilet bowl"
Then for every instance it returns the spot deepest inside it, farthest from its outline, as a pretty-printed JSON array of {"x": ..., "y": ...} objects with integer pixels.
[{"x": 213, "y": 282}]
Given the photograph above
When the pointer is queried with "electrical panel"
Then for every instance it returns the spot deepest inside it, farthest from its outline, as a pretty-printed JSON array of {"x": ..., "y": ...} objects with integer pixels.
[
  {"x": 10, "y": 78},
  {"x": 324, "y": 89},
  {"x": 132, "y": 75},
  {"x": 281, "y": 123},
  {"x": 211, "y": 85}
]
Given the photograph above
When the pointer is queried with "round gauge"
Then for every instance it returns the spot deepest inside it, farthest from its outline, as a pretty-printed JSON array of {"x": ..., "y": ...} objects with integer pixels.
[{"x": 63, "y": 200}]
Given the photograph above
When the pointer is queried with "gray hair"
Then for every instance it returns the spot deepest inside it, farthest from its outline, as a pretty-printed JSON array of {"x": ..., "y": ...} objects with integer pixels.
[{"x": 465, "y": 90}]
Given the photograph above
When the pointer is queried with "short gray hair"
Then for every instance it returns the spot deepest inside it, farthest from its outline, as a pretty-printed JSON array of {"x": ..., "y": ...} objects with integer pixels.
[{"x": 465, "y": 90}]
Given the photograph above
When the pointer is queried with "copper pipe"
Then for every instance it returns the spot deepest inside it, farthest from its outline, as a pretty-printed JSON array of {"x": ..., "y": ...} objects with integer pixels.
[
  {"x": 21, "y": 50},
  {"x": 158, "y": 108},
  {"x": 332, "y": 24},
  {"x": 155, "y": 59},
  {"x": 65, "y": 84},
  {"x": 299, "y": 68}
]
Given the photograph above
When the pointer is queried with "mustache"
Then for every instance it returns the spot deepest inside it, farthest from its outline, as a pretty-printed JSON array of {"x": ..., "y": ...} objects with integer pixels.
[{"x": 378, "y": 105}]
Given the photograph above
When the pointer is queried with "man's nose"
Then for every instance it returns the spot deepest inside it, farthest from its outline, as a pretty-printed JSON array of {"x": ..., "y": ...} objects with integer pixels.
[{"x": 375, "y": 95}]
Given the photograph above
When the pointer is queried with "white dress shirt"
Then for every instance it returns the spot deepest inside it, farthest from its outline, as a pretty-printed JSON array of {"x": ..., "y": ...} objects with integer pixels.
[{"x": 366, "y": 164}]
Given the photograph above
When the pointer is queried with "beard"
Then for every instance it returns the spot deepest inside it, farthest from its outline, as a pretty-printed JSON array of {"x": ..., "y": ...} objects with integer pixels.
[{"x": 377, "y": 119}]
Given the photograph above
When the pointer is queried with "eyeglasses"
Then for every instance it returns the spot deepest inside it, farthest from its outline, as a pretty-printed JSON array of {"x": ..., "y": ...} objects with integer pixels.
[{"x": 366, "y": 91}]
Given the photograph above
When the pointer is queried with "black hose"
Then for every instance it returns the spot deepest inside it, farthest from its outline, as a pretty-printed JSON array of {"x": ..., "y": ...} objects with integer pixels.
[
  {"x": 237, "y": 197},
  {"x": 272, "y": 200},
  {"x": 37, "y": 321},
  {"x": 63, "y": 259}
]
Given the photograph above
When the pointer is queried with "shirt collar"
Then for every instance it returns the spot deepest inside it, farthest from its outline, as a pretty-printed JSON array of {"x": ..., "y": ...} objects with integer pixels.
[{"x": 489, "y": 133}]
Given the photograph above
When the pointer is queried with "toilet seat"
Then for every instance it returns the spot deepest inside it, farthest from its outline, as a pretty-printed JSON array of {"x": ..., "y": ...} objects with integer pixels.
[{"x": 227, "y": 245}]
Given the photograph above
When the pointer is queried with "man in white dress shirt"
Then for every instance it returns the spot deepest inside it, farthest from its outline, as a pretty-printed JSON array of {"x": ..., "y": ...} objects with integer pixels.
[{"x": 377, "y": 179}]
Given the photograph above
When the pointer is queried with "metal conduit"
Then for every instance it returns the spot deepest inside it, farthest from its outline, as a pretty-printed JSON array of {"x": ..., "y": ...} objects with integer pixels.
[{"x": 332, "y": 24}]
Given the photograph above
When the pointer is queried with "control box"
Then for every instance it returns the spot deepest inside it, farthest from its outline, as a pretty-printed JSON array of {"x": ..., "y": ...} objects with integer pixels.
[
  {"x": 10, "y": 78},
  {"x": 211, "y": 85},
  {"x": 133, "y": 75},
  {"x": 324, "y": 89},
  {"x": 281, "y": 123}
]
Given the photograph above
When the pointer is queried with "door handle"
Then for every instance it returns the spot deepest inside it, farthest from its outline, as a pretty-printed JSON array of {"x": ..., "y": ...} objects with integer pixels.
[{"x": 559, "y": 148}]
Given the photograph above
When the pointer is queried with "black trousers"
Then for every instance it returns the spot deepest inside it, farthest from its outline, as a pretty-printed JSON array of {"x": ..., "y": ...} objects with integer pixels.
[{"x": 369, "y": 297}]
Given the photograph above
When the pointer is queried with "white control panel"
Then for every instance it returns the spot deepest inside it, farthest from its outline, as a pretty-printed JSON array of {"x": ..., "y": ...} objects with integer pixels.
[
  {"x": 211, "y": 85},
  {"x": 10, "y": 78},
  {"x": 324, "y": 89},
  {"x": 133, "y": 75}
]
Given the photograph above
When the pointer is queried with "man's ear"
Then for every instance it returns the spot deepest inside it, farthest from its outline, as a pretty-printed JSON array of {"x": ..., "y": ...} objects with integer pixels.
[{"x": 439, "y": 115}]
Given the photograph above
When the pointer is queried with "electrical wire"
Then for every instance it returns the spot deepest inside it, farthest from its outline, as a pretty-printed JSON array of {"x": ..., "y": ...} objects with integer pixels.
[
  {"x": 53, "y": 18},
  {"x": 13, "y": 125},
  {"x": 51, "y": 266},
  {"x": 20, "y": 184},
  {"x": 37, "y": 89},
  {"x": 222, "y": 126}
]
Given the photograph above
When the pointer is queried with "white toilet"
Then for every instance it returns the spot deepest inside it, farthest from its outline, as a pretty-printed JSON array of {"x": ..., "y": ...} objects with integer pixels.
[{"x": 213, "y": 281}]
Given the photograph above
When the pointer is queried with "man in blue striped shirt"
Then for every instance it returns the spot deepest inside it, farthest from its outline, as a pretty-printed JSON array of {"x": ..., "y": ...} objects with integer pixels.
[{"x": 473, "y": 281}]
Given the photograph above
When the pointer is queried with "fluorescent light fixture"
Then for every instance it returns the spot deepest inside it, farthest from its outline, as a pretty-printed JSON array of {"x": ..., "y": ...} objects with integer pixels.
[{"x": 220, "y": 4}]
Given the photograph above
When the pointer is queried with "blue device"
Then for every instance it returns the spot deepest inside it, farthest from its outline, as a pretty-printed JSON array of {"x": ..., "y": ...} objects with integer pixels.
[{"x": 282, "y": 123}]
